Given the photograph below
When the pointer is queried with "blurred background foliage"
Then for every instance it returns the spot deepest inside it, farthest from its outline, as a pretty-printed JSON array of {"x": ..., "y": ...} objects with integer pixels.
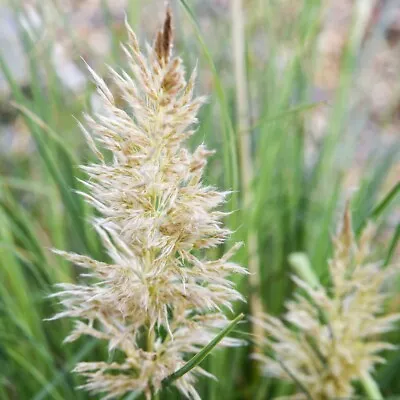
[{"x": 322, "y": 91}]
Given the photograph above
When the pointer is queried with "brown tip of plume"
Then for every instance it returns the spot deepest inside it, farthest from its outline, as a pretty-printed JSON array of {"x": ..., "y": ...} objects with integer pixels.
[
  {"x": 345, "y": 237},
  {"x": 163, "y": 43},
  {"x": 347, "y": 229}
]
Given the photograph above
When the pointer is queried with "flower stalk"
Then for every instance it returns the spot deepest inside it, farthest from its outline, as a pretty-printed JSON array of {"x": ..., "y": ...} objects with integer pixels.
[
  {"x": 245, "y": 156},
  {"x": 370, "y": 386}
]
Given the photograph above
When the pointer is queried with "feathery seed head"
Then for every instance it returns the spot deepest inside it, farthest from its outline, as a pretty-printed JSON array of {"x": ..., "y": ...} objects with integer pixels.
[
  {"x": 329, "y": 338},
  {"x": 157, "y": 300}
]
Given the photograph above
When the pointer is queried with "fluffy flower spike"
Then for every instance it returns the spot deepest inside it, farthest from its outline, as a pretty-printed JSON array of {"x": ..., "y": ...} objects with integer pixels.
[
  {"x": 158, "y": 299},
  {"x": 330, "y": 338}
]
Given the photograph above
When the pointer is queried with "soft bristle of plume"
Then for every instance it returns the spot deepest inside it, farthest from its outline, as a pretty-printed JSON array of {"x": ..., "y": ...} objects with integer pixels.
[{"x": 163, "y": 43}]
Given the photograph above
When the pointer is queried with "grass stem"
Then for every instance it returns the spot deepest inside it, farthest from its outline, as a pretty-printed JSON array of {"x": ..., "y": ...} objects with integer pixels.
[
  {"x": 370, "y": 387},
  {"x": 245, "y": 155}
]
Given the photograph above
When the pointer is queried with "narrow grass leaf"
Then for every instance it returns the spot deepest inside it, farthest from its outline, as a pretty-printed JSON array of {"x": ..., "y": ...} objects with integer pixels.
[
  {"x": 201, "y": 355},
  {"x": 60, "y": 375},
  {"x": 384, "y": 204},
  {"x": 393, "y": 245}
]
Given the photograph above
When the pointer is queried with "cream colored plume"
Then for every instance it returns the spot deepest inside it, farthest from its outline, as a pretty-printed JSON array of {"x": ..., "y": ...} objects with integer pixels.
[
  {"x": 330, "y": 338},
  {"x": 158, "y": 298}
]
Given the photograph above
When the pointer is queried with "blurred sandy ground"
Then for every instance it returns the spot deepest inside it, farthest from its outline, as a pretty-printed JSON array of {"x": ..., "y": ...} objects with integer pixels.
[{"x": 79, "y": 28}]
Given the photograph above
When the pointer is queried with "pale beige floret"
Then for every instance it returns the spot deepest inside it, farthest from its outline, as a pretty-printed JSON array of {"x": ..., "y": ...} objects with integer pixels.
[
  {"x": 329, "y": 338},
  {"x": 157, "y": 299}
]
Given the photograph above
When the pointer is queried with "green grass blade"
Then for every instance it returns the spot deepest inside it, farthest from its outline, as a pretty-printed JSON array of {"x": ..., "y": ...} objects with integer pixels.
[
  {"x": 384, "y": 204},
  {"x": 50, "y": 132},
  {"x": 392, "y": 246},
  {"x": 34, "y": 372},
  {"x": 134, "y": 395},
  {"x": 292, "y": 111},
  {"x": 201, "y": 355},
  {"x": 71, "y": 200},
  {"x": 86, "y": 349}
]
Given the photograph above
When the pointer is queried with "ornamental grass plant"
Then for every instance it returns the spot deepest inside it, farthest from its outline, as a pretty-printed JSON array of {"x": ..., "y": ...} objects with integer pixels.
[{"x": 149, "y": 278}]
